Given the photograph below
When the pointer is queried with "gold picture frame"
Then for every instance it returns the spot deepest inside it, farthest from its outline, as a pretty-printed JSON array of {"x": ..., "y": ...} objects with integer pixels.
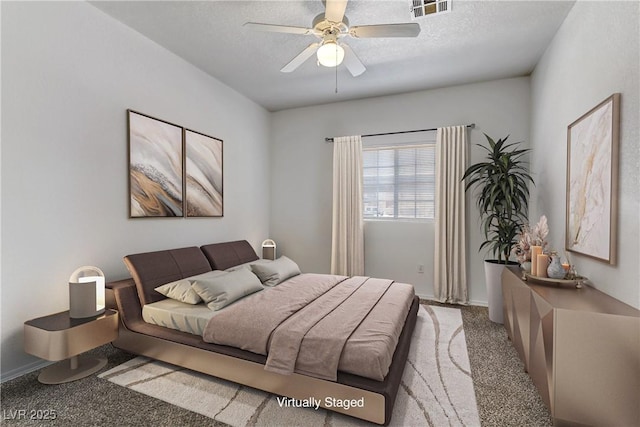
[{"x": 592, "y": 182}]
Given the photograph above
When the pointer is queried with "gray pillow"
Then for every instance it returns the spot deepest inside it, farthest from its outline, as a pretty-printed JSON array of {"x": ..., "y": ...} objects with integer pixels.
[
  {"x": 220, "y": 291},
  {"x": 247, "y": 265},
  {"x": 180, "y": 290},
  {"x": 275, "y": 272}
]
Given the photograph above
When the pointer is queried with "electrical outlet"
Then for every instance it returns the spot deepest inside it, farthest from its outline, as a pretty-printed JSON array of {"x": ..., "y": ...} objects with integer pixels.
[{"x": 420, "y": 268}]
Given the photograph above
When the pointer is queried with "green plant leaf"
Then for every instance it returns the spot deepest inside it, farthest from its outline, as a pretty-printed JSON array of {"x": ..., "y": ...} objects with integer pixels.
[{"x": 502, "y": 194}]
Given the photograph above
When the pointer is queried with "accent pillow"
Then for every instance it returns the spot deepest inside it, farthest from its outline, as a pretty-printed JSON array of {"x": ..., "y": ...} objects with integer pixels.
[
  {"x": 180, "y": 290},
  {"x": 218, "y": 292},
  {"x": 275, "y": 272}
]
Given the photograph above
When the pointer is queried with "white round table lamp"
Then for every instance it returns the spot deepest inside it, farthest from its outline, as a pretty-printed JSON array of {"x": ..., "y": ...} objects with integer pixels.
[
  {"x": 269, "y": 249},
  {"x": 86, "y": 292}
]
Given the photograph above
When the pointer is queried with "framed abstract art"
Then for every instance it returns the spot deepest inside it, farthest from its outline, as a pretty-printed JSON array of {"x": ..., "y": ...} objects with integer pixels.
[
  {"x": 592, "y": 181},
  {"x": 155, "y": 167},
  {"x": 203, "y": 175},
  {"x": 173, "y": 171}
]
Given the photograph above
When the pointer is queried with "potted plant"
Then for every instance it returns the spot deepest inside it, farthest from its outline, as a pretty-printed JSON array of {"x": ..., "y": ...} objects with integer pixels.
[{"x": 502, "y": 197}]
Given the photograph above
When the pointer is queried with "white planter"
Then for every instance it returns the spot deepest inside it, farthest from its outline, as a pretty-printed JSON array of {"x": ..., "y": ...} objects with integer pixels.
[{"x": 493, "y": 280}]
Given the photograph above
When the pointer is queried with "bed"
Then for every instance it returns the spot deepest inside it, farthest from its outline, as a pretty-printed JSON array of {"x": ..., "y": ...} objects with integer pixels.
[{"x": 172, "y": 331}]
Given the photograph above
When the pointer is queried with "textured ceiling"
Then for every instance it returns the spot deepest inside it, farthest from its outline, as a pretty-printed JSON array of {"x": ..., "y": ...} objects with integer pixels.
[{"x": 476, "y": 41}]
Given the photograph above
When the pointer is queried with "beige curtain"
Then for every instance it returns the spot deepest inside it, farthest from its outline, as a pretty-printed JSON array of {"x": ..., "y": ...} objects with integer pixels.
[
  {"x": 347, "y": 241},
  {"x": 450, "y": 273}
]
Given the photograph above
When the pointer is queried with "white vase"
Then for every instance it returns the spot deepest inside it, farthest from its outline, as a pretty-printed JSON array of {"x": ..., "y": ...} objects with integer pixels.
[
  {"x": 555, "y": 269},
  {"x": 493, "y": 279}
]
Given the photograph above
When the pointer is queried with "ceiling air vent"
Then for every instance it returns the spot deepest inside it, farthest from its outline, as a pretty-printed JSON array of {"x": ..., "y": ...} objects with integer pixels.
[{"x": 422, "y": 8}]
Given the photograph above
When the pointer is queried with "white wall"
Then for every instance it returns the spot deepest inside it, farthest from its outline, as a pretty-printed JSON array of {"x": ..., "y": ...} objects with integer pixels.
[
  {"x": 595, "y": 53},
  {"x": 301, "y": 174},
  {"x": 69, "y": 72}
]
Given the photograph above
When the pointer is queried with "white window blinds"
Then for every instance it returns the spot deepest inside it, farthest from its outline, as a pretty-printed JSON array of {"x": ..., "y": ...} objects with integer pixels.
[{"x": 399, "y": 181}]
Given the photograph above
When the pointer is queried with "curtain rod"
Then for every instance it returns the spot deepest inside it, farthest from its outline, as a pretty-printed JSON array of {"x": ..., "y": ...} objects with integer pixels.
[{"x": 472, "y": 125}]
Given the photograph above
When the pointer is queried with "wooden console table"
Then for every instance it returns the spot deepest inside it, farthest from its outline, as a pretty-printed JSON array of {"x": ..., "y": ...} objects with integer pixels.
[{"x": 581, "y": 348}]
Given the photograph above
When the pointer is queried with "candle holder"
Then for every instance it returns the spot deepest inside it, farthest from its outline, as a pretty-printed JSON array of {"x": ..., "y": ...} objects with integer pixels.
[{"x": 572, "y": 274}]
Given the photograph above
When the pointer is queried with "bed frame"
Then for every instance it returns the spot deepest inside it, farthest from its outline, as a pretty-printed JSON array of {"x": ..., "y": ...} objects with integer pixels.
[{"x": 149, "y": 270}]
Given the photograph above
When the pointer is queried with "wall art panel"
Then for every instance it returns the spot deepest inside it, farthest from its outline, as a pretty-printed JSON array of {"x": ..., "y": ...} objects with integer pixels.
[
  {"x": 203, "y": 175},
  {"x": 155, "y": 167},
  {"x": 592, "y": 181}
]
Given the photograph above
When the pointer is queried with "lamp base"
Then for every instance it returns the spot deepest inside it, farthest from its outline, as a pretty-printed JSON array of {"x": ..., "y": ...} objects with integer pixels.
[{"x": 71, "y": 369}]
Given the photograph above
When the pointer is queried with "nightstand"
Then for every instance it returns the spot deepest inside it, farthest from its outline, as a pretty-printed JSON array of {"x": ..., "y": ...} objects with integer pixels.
[{"x": 59, "y": 337}]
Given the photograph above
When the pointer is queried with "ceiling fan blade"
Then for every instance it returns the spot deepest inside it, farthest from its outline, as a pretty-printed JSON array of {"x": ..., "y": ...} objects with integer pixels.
[
  {"x": 302, "y": 56},
  {"x": 386, "y": 30},
  {"x": 351, "y": 61},
  {"x": 334, "y": 10},
  {"x": 278, "y": 28}
]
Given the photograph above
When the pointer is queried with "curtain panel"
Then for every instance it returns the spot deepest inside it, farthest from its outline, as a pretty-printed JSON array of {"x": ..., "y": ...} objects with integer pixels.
[
  {"x": 347, "y": 240},
  {"x": 450, "y": 272}
]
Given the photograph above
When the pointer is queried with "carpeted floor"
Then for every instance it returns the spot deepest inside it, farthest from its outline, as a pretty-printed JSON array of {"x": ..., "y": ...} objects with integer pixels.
[{"x": 505, "y": 394}]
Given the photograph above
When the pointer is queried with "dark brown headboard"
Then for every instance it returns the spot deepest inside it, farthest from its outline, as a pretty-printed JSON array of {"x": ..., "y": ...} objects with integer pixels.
[
  {"x": 229, "y": 254},
  {"x": 152, "y": 269}
]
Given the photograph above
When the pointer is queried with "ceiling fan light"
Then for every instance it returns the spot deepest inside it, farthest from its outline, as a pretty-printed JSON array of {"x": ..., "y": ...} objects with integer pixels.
[{"x": 330, "y": 54}]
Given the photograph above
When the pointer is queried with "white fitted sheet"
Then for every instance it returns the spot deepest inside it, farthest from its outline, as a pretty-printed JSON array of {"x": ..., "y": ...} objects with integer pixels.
[{"x": 178, "y": 315}]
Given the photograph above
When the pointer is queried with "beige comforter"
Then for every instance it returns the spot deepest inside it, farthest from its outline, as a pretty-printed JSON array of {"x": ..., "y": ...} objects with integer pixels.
[{"x": 317, "y": 324}]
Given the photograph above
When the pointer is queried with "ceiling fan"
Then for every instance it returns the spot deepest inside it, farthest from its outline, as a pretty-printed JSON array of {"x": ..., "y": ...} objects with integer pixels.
[{"x": 330, "y": 27}]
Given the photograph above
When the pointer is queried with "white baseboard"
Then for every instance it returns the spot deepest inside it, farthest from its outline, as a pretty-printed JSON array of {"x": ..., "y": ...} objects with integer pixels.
[
  {"x": 479, "y": 303},
  {"x": 473, "y": 302},
  {"x": 23, "y": 370}
]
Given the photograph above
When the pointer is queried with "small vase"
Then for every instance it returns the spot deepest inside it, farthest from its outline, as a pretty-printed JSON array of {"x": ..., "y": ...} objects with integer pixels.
[
  {"x": 526, "y": 266},
  {"x": 555, "y": 269}
]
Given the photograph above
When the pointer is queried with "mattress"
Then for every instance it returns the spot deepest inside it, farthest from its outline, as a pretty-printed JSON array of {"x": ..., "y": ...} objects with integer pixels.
[
  {"x": 178, "y": 315},
  {"x": 183, "y": 317}
]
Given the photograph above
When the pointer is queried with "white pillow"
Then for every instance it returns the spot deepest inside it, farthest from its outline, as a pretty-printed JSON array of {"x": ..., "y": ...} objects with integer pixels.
[
  {"x": 180, "y": 290},
  {"x": 220, "y": 291},
  {"x": 275, "y": 272}
]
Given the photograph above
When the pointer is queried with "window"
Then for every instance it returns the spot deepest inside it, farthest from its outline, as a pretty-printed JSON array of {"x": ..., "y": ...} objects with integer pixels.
[{"x": 399, "y": 182}]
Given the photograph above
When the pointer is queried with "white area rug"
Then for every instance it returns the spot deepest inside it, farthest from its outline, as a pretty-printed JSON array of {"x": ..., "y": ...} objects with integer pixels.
[{"x": 436, "y": 387}]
